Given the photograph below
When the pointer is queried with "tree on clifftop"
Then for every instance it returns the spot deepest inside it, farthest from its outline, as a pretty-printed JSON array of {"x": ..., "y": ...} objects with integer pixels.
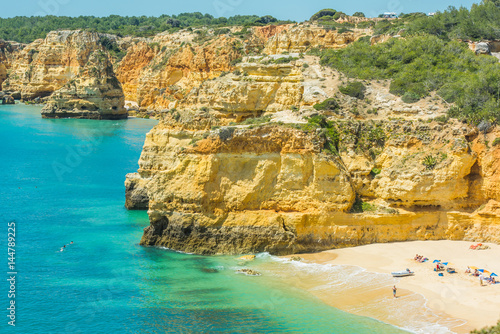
[{"x": 323, "y": 12}]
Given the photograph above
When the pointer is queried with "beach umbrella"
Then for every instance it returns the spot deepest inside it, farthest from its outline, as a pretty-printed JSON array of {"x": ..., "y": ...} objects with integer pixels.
[
  {"x": 481, "y": 270},
  {"x": 435, "y": 261},
  {"x": 445, "y": 263},
  {"x": 473, "y": 268},
  {"x": 493, "y": 274}
]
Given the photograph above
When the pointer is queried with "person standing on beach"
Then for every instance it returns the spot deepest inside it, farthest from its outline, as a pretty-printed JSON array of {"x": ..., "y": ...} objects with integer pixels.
[{"x": 394, "y": 291}]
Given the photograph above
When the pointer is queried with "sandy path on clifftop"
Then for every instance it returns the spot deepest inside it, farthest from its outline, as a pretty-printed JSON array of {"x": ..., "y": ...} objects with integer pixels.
[{"x": 448, "y": 299}]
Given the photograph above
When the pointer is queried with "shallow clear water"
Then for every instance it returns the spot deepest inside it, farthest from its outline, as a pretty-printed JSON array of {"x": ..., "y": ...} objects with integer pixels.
[{"x": 62, "y": 181}]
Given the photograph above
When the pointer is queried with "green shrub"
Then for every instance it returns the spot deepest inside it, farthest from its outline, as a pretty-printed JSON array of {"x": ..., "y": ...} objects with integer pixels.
[
  {"x": 359, "y": 206},
  {"x": 343, "y": 30},
  {"x": 488, "y": 330},
  {"x": 328, "y": 131},
  {"x": 284, "y": 60},
  {"x": 367, "y": 207},
  {"x": 359, "y": 14},
  {"x": 257, "y": 120},
  {"x": 236, "y": 61},
  {"x": 410, "y": 97},
  {"x": 226, "y": 133},
  {"x": 327, "y": 105},
  {"x": 429, "y": 161},
  {"x": 420, "y": 64},
  {"x": 365, "y": 25},
  {"x": 496, "y": 142},
  {"x": 442, "y": 119},
  {"x": 355, "y": 89},
  {"x": 222, "y": 31},
  {"x": 323, "y": 12},
  {"x": 339, "y": 15}
]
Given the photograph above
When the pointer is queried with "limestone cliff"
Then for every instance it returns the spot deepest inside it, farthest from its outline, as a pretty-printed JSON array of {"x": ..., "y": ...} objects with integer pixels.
[
  {"x": 278, "y": 188},
  {"x": 94, "y": 93},
  {"x": 303, "y": 38},
  {"x": 46, "y": 65},
  {"x": 8, "y": 51},
  {"x": 159, "y": 74},
  {"x": 228, "y": 71},
  {"x": 4, "y": 63}
]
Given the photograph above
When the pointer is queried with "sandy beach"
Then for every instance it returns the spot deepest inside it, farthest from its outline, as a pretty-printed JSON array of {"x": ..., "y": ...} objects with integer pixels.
[{"x": 358, "y": 281}]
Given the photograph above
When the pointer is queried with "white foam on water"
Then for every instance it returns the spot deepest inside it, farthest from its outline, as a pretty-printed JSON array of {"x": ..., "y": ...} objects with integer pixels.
[{"x": 348, "y": 279}]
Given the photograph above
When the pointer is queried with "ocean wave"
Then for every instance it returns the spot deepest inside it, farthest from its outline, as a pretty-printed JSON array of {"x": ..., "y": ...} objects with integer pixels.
[{"x": 356, "y": 281}]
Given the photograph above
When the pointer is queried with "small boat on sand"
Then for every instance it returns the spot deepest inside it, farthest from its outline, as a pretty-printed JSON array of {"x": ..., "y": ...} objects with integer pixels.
[{"x": 403, "y": 273}]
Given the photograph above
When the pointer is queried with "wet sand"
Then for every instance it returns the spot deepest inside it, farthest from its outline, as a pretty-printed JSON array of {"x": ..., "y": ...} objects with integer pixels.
[{"x": 358, "y": 281}]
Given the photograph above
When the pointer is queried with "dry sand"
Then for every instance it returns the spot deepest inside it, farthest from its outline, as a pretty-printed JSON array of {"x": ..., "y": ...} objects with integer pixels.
[{"x": 426, "y": 302}]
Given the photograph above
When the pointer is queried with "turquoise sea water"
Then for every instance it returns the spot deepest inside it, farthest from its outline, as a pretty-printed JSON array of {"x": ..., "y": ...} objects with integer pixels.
[{"x": 62, "y": 181}]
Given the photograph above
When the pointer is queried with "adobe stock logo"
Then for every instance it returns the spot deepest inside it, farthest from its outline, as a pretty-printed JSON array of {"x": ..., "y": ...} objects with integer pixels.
[
  {"x": 75, "y": 154},
  {"x": 50, "y": 7},
  {"x": 222, "y": 7}
]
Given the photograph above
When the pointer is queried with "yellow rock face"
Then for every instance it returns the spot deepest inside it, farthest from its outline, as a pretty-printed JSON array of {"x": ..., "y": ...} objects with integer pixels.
[
  {"x": 5, "y": 50},
  {"x": 95, "y": 93},
  {"x": 261, "y": 88},
  {"x": 159, "y": 74},
  {"x": 46, "y": 65},
  {"x": 193, "y": 70},
  {"x": 301, "y": 39},
  {"x": 271, "y": 188}
]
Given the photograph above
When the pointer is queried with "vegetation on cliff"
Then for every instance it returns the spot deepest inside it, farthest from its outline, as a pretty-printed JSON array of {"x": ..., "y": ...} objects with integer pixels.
[
  {"x": 27, "y": 29},
  {"x": 421, "y": 64},
  {"x": 482, "y": 21}
]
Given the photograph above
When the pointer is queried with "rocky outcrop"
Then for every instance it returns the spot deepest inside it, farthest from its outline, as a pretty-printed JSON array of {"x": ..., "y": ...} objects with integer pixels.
[
  {"x": 7, "y": 99},
  {"x": 376, "y": 39},
  {"x": 269, "y": 31},
  {"x": 484, "y": 47},
  {"x": 136, "y": 193},
  {"x": 275, "y": 188},
  {"x": 252, "y": 89},
  {"x": 202, "y": 69},
  {"x": 94, "y": 93},
  {"x": 159, "y": 74},
  {"x": 302, "y": 39},
  {"x": 6, "y": 51},
  {"x": 46, "y": 65}
]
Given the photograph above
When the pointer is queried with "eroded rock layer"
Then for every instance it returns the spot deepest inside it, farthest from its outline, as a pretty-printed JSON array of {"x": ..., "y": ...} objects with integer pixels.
[
  {"x": 46, "y": 65},
  {"x": 94, "y": 93}
]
